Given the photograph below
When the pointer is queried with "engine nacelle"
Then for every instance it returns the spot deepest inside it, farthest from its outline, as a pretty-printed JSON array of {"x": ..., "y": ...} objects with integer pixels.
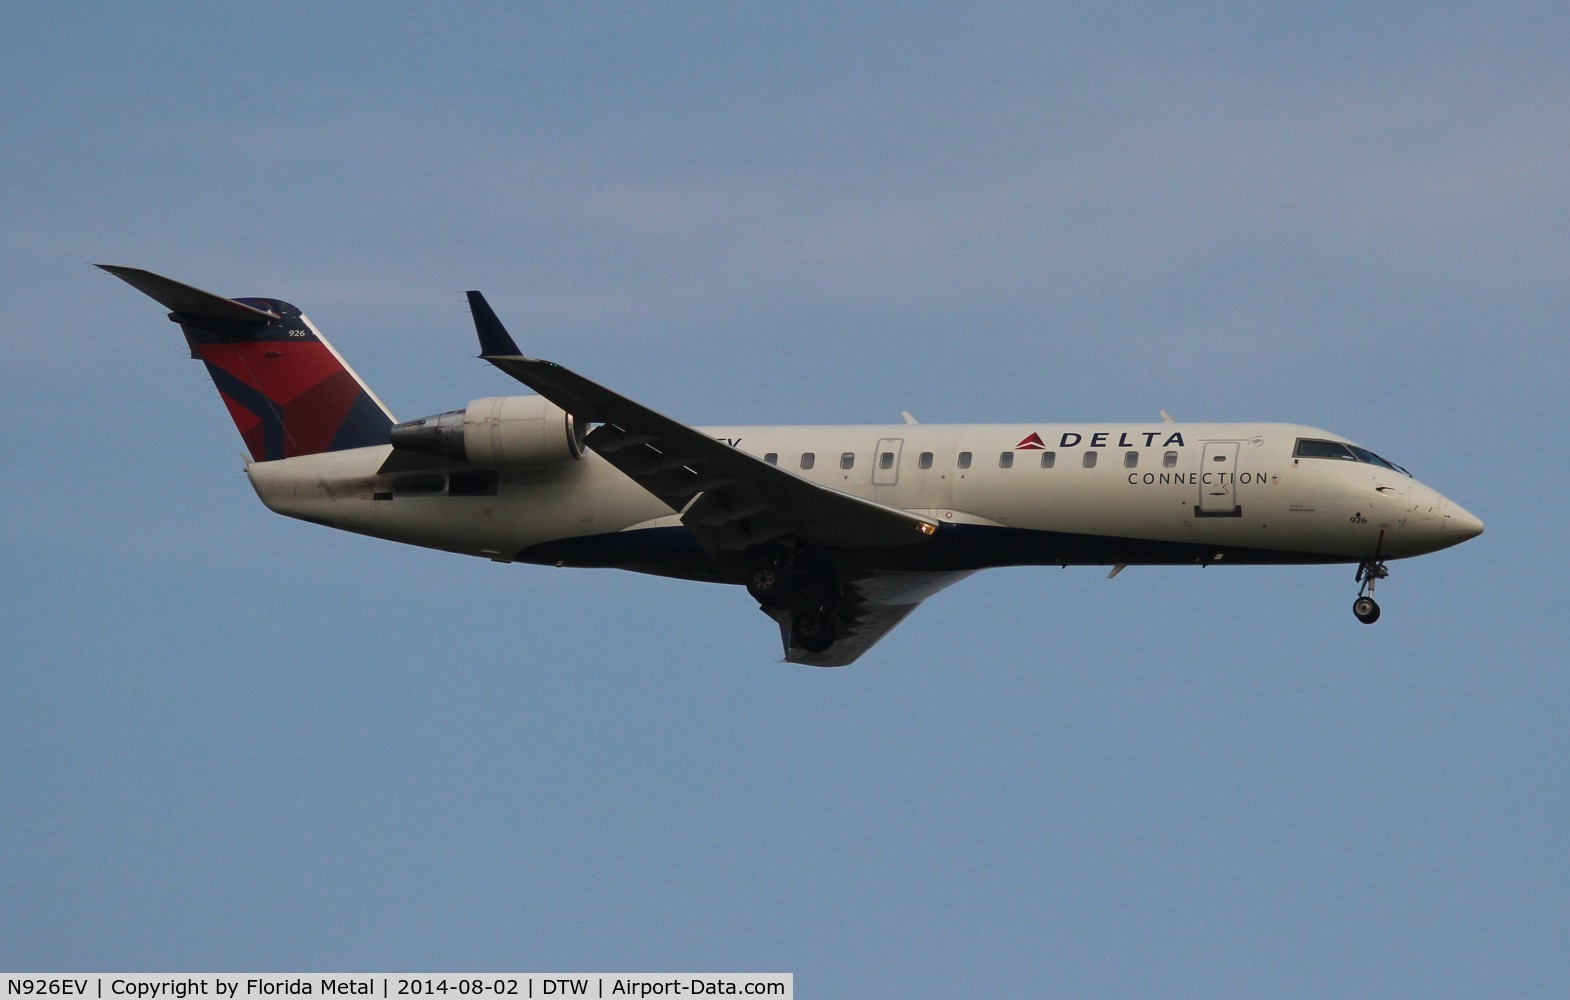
[{"x": 499, "y": 432}]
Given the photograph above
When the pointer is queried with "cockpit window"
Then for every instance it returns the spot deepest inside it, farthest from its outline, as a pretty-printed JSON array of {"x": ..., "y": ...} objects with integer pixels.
[
  {"x": 1364, "y": 455},
  {"x": 1307, "y": 448},
  {"x": 1311, "y": 448}
]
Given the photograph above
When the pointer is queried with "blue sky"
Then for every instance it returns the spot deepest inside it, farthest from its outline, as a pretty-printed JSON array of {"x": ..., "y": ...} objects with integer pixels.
[{"x": 233, "y": 741}]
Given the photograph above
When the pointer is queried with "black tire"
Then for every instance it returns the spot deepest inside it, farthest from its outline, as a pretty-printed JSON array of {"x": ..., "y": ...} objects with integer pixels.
[
  {"x": 812, "y": 630},
  {"x": 768, "y": 586},
  {"x": 1366, "y": 610}
]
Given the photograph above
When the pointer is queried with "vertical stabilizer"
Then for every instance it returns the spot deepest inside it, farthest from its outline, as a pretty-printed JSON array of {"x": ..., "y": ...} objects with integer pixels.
[{"x": 287, "y": 390}]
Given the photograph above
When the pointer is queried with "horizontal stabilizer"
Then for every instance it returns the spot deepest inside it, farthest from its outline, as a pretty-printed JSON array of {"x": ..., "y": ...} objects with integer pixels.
[{"x": 187, "y": 301}]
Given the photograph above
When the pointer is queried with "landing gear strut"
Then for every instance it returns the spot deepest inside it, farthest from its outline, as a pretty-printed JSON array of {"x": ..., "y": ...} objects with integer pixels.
[{"x": 1369, "y": 572}]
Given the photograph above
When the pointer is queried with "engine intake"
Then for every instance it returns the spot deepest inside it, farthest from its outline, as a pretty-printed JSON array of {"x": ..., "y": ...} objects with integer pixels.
[{"x": 498, "y": 432}]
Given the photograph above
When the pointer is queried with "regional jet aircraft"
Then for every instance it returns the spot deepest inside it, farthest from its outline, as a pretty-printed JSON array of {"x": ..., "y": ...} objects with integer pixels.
[{"x": 837, "y": 532}]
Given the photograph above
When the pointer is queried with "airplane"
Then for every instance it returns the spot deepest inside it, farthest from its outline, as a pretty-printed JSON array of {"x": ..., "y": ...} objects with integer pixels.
[{"x": 837, "y": 532}]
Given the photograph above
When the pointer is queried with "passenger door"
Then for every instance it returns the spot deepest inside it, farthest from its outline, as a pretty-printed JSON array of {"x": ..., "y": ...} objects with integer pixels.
[{"x": 1218, "y": 481}]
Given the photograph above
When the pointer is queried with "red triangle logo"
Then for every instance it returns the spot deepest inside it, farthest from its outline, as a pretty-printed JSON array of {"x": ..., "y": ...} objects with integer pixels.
[{"x": 1032, "y": 443}]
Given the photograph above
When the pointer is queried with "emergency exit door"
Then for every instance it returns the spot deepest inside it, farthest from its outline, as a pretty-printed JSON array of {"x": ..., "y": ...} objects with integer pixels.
[{"x": 885, "y": 462}]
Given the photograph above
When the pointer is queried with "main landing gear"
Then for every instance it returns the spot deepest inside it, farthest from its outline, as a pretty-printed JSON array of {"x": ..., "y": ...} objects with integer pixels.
[
  {"x": 812, "y": 629},
  {"x": 1369, "y": 572},
  {"x": 808, "y": 587}
]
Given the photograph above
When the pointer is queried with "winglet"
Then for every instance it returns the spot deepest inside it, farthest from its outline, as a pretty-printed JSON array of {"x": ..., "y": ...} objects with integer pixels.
[{"x": 495, "y": 341}]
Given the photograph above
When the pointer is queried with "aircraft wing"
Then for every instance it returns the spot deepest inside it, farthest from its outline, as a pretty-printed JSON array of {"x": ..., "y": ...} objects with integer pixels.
[
  {"x": 732, "y": 501},
  {"x": 728, "y": 499},
  {"x": 873, "y": 604}
]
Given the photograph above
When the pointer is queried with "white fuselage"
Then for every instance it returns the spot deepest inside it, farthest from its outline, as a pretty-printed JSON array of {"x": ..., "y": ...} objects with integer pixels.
[{"x": 1044, "y": 493}]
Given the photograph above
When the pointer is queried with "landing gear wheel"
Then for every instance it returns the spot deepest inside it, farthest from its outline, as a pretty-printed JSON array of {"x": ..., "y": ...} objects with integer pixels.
[
  {"x": 812, "y": 630},
  {"x": 1366, "y": 610},
  {"x": 768, "y": 585}
]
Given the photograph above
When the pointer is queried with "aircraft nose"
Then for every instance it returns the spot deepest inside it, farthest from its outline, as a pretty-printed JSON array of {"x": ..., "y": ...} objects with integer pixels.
[{"x": 1459, "y": 521}]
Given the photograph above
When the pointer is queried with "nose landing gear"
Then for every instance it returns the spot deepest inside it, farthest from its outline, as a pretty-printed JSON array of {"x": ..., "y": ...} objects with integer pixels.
[{"x": 1369, "y": 572}]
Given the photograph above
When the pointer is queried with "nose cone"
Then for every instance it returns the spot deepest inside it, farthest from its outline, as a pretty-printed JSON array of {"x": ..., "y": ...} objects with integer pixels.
[{"x": 1460, "y": 523}]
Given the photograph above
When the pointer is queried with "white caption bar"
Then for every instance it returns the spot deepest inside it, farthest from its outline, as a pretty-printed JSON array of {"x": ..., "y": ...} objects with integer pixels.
[{"x": 396, "y": 986}]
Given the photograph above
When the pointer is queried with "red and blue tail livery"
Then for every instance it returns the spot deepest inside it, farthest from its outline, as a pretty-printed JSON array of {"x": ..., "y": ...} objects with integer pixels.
[{"x": 287, "y": 390}]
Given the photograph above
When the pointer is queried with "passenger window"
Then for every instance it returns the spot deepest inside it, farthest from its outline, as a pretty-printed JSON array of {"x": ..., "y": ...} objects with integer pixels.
[
  {"x": 1130, "y": 459},
  {"x": 773, "y": 458},
  {"x": 926, "y": 460},
  {"x": 1090, "y": 460},
  {"x": 1006, "y": 460},
  {"x": 807, "y": 458},
  {"x": 1049, "y": 459},
  {"x": 886, "y": 460},
  {"x": 847, "y": 460},
  {"x": 964, "y": 460},
  {"x": 1169, "y": 460}
]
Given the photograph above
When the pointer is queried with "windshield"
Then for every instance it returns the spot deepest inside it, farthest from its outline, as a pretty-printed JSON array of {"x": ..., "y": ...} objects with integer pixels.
[
  {"x": 1365, "y": 455},
  {"x": 1311, "y": 448}
]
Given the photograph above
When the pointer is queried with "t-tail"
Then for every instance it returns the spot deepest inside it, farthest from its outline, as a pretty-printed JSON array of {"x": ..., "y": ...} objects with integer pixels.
[{"x": 288, "y": 391}]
